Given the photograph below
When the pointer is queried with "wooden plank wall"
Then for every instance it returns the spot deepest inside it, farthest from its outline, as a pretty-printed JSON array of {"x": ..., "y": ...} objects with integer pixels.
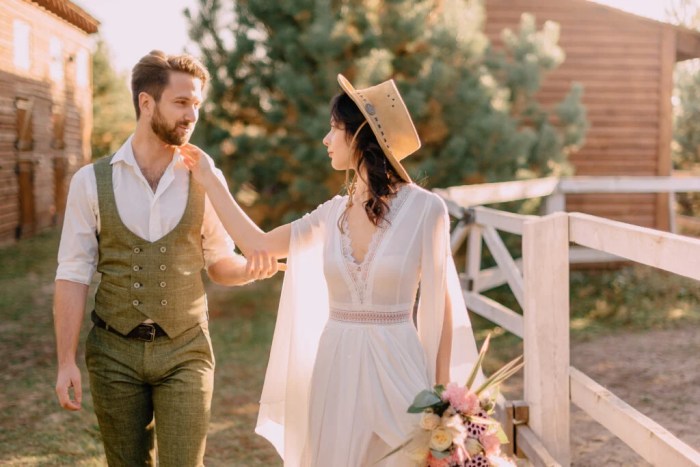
[
  {"x": 618, "y": 59},
  {"x": 46, "y": 93}
]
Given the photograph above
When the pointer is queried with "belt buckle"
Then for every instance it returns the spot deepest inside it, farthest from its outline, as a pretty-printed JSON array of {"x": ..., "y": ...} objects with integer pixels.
[{"x": 150, "y": 337}]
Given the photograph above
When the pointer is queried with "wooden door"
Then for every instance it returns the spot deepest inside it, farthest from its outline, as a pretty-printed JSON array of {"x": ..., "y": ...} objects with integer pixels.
[
  {"x": 60, "y": 192},
  {"x": 27, "y": 214}
]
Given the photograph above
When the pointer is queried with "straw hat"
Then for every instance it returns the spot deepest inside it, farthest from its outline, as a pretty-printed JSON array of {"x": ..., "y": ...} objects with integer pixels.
[{"x": 389, "y": 119}]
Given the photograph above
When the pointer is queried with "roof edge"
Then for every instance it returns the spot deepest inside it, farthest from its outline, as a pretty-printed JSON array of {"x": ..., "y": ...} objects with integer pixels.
[{"x": 70, "y": 12}]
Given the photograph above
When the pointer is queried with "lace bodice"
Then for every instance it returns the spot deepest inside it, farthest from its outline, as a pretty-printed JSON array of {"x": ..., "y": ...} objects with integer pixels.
[
  {"x": 359, "y": 271},
  {"x": 387, "y": 278}
]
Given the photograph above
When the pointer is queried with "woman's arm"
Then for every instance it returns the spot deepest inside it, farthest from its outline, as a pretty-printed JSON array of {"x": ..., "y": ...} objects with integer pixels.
[
  {"x": 442, "y": 370},
  {"x": 245, "y": 233}
]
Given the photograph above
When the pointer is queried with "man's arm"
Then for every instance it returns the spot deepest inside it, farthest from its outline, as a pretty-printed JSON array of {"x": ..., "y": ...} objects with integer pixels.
[
  {"x": 77, "y": 260},
  {"x": 68, "y": 312},
  {"x": 238, "y": 270}
]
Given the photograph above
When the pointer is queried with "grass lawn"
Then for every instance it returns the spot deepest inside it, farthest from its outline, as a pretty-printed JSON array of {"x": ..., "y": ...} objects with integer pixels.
[{"x": 35, "y": 431}]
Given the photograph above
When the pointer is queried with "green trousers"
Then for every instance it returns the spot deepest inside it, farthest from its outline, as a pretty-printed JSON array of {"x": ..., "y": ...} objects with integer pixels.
[{"x": 143, "y": 389}]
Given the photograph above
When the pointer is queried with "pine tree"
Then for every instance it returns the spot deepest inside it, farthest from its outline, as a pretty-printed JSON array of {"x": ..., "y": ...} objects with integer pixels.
[
  {"x": 274, "y": 67},
  {"x": 113, "y": 112}
]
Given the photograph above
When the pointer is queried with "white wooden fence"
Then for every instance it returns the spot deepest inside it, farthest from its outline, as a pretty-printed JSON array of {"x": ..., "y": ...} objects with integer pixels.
[{"x": 540, "y": 284}]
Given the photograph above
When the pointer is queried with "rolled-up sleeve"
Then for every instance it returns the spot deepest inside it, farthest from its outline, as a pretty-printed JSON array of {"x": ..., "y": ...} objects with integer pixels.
[
  {"x": 77, "y": 252},
  {"x": 216, "y": 242}
]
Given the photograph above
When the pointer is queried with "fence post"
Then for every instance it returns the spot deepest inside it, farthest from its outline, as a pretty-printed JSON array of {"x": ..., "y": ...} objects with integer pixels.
[
  {"x": 556, "y": 202},
  {"x": 473, "y": 260},
  {"x": 546, "y": 333}
]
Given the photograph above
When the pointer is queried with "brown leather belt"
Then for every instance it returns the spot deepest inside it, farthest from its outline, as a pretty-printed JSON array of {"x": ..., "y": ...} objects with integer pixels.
[{"x": 142, "y": 332}]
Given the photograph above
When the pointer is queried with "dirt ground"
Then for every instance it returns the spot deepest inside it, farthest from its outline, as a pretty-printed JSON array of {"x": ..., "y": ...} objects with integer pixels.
[{"x": 657, "y": 372}]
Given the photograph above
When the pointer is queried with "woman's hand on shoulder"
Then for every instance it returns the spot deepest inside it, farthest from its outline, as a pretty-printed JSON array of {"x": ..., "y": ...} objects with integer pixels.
[{"x": 198, "y": 162}]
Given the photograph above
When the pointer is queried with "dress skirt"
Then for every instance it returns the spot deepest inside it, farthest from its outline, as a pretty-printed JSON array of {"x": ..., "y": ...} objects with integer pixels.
[{"x": 365, "y": 378}]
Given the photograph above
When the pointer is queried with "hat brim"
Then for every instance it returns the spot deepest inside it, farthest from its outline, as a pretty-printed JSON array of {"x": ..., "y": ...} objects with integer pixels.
[{"x": 352, "y": 92}]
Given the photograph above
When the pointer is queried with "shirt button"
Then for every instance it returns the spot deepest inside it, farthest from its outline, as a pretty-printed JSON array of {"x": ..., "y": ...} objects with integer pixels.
[
  {"x": 136, "y": 268},
  {"x": 135, "y": 303},
  {"x": 137, "y": 250},
  {"x": 162, "y": 284},
  {"x": 162, "y": 267},
  {"x": 163, "y": 302},
  {"x": 163, "y": 249},
  {"x": 137, "y": 285}
]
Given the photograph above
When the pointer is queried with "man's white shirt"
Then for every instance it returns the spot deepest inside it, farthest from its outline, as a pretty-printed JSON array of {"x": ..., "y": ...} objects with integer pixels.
[{"x": 148, "y": 215}]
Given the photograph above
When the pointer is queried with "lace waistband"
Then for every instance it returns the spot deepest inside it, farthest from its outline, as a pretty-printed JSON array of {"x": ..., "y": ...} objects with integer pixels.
[{"x": 370, "y": 317}]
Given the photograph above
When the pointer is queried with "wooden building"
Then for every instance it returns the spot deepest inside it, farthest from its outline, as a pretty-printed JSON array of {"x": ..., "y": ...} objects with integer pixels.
[
  {"x": 625, "y": 63},
  {"x": 45, "y": 109}
]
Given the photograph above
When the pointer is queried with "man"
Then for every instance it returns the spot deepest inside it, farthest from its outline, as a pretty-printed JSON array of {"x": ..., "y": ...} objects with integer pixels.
[{"x": 141, "y": 221}]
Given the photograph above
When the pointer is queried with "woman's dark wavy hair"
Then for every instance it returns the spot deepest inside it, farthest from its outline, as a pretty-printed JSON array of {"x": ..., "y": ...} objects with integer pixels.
[{"x": 382, "y": 178}]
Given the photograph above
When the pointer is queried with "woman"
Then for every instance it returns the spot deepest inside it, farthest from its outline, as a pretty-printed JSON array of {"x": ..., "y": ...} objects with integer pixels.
[{"x": 346, "y": 359}]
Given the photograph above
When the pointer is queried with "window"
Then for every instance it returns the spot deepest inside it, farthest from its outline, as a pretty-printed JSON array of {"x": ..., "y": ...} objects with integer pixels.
[
  {"x": 56, "y": 59},
  {"x": 21, "y": 35},
  {"x": 24, "y": 141},
  {"x": 82, "y": 68}
]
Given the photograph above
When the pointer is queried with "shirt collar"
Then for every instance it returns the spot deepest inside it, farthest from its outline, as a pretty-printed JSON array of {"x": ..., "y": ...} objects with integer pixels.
[{"x": 126, "y": 154}]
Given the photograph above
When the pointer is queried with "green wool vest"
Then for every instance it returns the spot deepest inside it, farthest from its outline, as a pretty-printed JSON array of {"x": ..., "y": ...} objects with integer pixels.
[{"x": 160, "y": 280}]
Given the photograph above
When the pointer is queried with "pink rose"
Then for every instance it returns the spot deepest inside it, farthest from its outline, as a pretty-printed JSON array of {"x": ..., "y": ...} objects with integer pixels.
[
  {"x": 490, "y": 443},
  {"x": 461, "y": 398}
]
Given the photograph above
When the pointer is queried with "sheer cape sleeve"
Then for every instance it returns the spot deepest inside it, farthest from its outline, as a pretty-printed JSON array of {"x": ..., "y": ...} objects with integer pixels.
[
  {"x": 439, "y": 281},
  {"x": 302, "y": 315}
]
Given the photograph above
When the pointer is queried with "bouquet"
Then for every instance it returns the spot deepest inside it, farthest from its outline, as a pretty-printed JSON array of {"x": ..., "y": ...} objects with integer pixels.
[{"x": 457, "y": 428}]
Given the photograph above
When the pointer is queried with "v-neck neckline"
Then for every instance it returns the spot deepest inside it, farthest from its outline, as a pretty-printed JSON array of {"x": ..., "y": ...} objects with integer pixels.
[
  {"x": 377, "y": 235},
  {"x": 359, "y": 275}
]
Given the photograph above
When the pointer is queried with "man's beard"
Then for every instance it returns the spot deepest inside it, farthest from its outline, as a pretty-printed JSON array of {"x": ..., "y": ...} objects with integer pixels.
[{"x": 169, "y": 135}]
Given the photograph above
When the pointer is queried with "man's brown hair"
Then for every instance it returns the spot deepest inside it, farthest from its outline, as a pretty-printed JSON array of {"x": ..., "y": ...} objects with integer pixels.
[{"x": 152, "y": 72}]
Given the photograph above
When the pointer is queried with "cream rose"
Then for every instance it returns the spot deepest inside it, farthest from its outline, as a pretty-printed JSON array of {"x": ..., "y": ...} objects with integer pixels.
[
  {"x": 429, "y": 421},
  {"x": 441, "y": 439}
]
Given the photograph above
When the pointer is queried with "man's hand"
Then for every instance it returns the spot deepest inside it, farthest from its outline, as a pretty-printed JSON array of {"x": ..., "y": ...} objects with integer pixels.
[
  {"x": 69, "y": 377},
  {"x": 260, "y": 265},
  {"x": 239, "y": 270},
  {"x": 68, "y": 310}
]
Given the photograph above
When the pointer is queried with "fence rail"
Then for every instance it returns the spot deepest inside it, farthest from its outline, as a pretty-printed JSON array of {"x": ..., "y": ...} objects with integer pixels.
[
  {"x": 540, "y": 283},
  {"x": 646, "y": 437}
]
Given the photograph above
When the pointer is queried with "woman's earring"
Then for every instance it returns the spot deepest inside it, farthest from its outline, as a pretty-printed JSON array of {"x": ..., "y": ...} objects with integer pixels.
[{"x": 349, "y": 188}]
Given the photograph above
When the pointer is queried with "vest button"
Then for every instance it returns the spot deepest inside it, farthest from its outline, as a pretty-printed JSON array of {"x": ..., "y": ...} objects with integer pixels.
[
  {"x": 136, "y": 268},
  {"x": 162, "y": 284},
  {"x": 163, "y": 267},
  {"x": 137, "y": 250},
  {"x": 135, "y": 303},
  {"x": 163, "y": 302},
  {"x": 163, "y": 249},
  {"x": 137, "y": 285}
]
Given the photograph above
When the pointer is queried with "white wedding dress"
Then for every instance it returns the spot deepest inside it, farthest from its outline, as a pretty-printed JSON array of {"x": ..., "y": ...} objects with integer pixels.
[{"x": 346, "y": 359}]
